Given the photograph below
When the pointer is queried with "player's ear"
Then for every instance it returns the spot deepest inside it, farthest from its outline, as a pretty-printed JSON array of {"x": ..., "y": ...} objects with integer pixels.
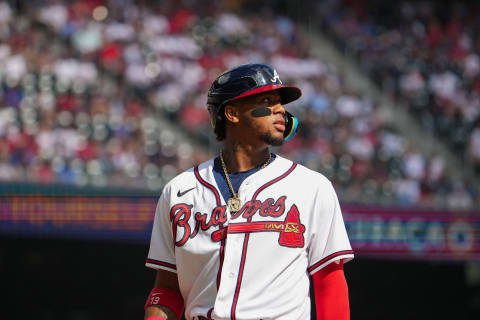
[{"x": 231, "y": 113}]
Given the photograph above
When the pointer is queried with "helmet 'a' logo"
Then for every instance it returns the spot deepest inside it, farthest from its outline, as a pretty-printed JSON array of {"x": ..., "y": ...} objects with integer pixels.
[{"x": 275, "y": 77}]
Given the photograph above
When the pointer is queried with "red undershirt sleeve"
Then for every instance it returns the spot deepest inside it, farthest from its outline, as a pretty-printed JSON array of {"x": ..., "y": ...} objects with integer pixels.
[{"x": 331, "y": 293}]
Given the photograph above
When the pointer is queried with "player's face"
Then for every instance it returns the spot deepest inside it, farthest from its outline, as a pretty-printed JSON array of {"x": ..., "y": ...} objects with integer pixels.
[{"x": 263, "y": 116}]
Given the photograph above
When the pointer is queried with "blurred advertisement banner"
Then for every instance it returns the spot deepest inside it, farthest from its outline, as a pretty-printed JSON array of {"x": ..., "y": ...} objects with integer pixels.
[
  {"x": 103, "y": 217},
  {"x": 410, "y": 233},
  {"x": 376, "y": 232}
]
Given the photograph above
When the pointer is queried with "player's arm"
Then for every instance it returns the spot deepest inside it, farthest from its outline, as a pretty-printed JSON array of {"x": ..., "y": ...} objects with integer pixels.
[
  {"x": 329, "y": 245},
  {"x": 165, "y": 300},
  {"x": 331, "y": 293}
]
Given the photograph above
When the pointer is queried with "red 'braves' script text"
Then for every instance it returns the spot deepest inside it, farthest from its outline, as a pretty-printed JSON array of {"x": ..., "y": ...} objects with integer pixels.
[{"x": 181, "y": 213}]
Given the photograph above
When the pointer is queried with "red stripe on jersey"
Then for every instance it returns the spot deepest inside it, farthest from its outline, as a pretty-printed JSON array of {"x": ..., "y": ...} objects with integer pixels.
[
  {"x": 219, "y": 203},
  {"x": 264, "y": 226},
  {"x": 268, "y": 184},
  {"x": 161, "y": 263},
  {"x": 209, "y": 314},
  {"x": 222, "y": 255},
  {"x": 247, "y": 235},
  {"x": 328, "y": 258},
  {"x": 208, "y": 185}
]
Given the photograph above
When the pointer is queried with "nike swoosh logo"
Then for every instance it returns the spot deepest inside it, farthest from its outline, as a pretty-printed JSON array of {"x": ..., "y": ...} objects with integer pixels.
[{"x": 180, "y": 194}]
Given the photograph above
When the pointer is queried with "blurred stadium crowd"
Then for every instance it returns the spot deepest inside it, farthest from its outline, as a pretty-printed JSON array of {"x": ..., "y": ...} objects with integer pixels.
[
  {"x": 83, "y": 85},
  {"x": 426, "y": 53}
]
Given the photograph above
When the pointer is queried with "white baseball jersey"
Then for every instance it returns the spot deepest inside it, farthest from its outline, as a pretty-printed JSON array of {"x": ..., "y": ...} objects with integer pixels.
[{"x": 252, "y": 264}]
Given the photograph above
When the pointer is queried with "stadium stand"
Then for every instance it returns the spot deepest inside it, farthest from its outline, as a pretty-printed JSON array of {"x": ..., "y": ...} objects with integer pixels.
[
  {"x": 85, "y": 89},
  {"x": 426, "y": 54}
]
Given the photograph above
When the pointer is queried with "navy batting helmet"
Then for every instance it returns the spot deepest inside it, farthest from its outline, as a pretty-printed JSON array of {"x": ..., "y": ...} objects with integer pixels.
[{"x": 247, "y": 80}]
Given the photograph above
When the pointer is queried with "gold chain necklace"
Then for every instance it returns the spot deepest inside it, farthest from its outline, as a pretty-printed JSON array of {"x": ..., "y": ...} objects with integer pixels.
[{"x": 234, "y": 203}]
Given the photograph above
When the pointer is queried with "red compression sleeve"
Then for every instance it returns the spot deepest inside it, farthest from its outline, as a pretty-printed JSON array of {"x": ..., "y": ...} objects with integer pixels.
[
  {"x": 168, "y": 298},
  {"x": 331, "y": 293}
]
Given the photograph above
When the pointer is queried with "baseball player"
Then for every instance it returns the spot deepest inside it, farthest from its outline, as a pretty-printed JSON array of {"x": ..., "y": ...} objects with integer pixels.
[{"x": 243, "y": 235}]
